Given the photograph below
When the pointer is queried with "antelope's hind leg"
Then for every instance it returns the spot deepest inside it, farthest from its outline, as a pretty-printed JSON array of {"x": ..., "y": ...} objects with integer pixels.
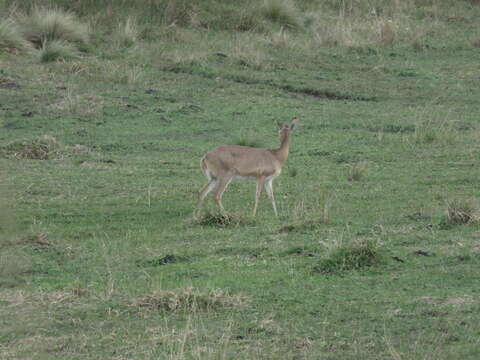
[
  {"x": 218, "y": 193},
  {"x": 212, "y": 184},
  {"x": 260, "y": 185}
]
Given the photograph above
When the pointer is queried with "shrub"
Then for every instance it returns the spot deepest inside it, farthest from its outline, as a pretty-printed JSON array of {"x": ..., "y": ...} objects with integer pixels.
[{"x": 358, "y": 255}]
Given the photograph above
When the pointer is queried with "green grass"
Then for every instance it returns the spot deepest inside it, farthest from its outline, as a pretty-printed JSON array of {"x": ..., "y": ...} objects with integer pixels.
[{"x": 375, "y": 252}]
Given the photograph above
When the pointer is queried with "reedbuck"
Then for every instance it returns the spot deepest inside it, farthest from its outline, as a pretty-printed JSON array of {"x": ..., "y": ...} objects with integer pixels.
[{"x": 228, "y": 162}]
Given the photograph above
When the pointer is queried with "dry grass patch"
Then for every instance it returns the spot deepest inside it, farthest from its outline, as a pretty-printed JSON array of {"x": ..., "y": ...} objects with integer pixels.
[
  {"x": 42, "y": 148},
  {"x": 190, "y": 300},
  {"x": 45, "y": 147}
]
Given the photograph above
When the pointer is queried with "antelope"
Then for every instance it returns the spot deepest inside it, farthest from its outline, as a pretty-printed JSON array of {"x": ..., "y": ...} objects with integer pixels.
[{"x": 228, "y": 162}]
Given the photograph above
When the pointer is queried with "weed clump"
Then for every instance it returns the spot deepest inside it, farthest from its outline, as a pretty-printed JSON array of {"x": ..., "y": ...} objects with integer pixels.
[
  {"x": 356, "y": 256},
  {"x": 460, "y": 212},
  {"x": 190, "y": 300}
]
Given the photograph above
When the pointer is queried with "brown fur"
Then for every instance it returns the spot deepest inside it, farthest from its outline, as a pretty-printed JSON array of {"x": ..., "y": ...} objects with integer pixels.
[{"x": 226, "y": 162}]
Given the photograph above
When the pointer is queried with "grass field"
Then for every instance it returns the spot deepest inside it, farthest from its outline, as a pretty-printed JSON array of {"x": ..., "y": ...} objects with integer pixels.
[{"x": 376, "y": 249}]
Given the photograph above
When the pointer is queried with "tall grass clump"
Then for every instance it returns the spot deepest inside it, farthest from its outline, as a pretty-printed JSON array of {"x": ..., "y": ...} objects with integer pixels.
[
  {"x": 127, "y": 33},
  {"x": 354, "y": 256},
  {"x": 282, "y": 12},
  {"x": 11, "y": 39},
  {"x": 44, "y": 25}
]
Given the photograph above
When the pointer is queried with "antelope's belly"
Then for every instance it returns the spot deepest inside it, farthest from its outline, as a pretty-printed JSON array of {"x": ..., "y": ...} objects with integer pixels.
[{"x": 244, "y": 178}]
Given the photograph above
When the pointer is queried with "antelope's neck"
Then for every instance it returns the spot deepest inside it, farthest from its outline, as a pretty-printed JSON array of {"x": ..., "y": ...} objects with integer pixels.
[{"x": 282, "y": 152}]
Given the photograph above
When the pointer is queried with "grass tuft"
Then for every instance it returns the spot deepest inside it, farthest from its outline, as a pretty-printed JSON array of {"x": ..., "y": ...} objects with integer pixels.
[
  {"x": 355, "y": 256},
  {"x": 190, "y": 300},
  {"x": 57, "y": 50},
  {"x": 282, "y": 12},
  {"x": 11, "y": 39},
  {"x": 357, "y": 171},
  {"x": 223, "y": 221},
  {"x": 127, "y": 33},
  {"x": 48, "y": 24},
  {"x": 460, "y": 212}
]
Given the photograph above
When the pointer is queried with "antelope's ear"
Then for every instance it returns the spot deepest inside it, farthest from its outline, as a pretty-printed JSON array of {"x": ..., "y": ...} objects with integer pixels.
[
  {"x": 279, "y": 124},
  {"x": 295, "y": 123}
]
